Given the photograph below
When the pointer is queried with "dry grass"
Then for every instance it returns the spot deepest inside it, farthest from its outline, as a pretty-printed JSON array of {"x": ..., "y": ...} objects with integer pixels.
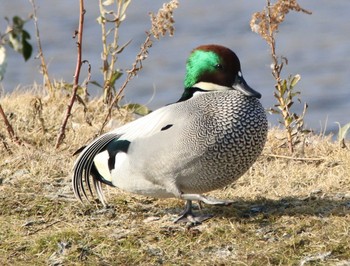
[{"x": 286, "y": 211}]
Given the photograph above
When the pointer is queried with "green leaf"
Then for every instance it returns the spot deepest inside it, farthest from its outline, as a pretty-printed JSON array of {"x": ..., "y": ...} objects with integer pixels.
[
  {"x": 108, "y": 2},
  {"x": 294, "y": 80},
  {"x": 94, "y": 82},
  {"x": 18, "y": 23},
  {"x": 343, "y": 131},
  {"x": 289, "y": 120},
  {"x": 115, "y": 76},
  {"x": 15, "y": 42},
  {"x": 120, "y": 49},
  {"x": 283, "y": 87},
  {"x": 273, "y": 111},
  {"x": 100, "y": 20},
  {"x": 138, "y": 109},
  {"x": 25, "y": 35},
  {"x": 18, "y": 38},
  {"x": 293, "y": 94},
  {"x": 3, "y": 62},
  {"x": 122, "y": 11},
  {"x": 289, "y": 104},
  {"x": 27, "y": 49}
]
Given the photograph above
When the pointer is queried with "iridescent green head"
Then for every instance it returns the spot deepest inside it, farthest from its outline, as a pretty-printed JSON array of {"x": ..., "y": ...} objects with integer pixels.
[{"x": 215, "y": 68}]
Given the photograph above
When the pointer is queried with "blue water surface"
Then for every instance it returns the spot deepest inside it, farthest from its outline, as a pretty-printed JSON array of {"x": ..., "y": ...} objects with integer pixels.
[{"x": 317, "y": 47}]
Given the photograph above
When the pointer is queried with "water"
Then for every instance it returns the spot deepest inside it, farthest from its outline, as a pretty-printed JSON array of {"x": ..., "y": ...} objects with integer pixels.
[{"x": 317, "y": 47}]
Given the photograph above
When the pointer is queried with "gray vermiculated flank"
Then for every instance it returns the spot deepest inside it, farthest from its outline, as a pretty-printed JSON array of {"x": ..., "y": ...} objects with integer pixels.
[{"x": 230, "y": 131}]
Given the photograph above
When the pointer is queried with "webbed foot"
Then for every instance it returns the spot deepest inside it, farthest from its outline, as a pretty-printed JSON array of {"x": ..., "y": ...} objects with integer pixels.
[{"x": 188, "y": 216}]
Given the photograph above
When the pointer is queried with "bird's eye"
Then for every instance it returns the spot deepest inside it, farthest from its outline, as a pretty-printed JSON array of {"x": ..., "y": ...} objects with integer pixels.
[{"x": 219, "y": 66}]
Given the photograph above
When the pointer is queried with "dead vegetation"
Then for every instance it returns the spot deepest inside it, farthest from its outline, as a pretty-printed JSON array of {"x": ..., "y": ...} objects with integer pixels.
[{"x": 287, "y": 211}]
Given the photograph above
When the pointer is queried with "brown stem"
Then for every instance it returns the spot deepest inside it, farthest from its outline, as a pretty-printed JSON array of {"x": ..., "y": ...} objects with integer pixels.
[
  {"x": 276, "y": 72},
  {"x": 61, "y": 134},
  {"x": 44, "y": 69},
  {"x": 9, "y": 127}
]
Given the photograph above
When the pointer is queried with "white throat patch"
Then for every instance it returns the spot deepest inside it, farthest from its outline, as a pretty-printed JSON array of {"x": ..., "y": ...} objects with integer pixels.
[{"x": 208, "y": 86}]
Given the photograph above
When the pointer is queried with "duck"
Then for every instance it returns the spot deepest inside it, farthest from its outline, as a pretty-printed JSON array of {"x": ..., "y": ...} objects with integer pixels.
[{"x": 203, "y": 142}]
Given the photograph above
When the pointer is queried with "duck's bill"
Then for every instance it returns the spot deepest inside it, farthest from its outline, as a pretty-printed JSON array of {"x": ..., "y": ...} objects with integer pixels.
[{"x": 241, "y": 85}]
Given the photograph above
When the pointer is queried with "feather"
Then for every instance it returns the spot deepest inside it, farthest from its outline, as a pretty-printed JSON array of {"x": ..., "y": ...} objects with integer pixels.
[{"x": 84, "y": 165}]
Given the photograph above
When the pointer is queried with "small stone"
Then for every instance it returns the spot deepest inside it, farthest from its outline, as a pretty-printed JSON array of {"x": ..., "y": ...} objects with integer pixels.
[{"x": 151, "y": 219}]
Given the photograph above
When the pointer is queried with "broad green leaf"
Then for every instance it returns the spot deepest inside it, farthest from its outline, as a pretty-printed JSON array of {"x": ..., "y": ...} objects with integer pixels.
[
  {"x": 25, "y": 34},
  {"x": 3, "y": 62},
  {"x": 136, "y": 108},
  {"x": 18, "y": 38},
  {"x": 18, "y": 23},
  {"x": 27, "y": 48}
]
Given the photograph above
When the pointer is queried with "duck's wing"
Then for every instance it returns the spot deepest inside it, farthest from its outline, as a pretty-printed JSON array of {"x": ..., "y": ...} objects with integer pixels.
[{"x": 97, "y": 159}]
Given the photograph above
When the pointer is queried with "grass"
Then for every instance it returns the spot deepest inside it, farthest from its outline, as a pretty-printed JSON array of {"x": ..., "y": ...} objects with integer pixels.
[{"x": 286, "y": 211}]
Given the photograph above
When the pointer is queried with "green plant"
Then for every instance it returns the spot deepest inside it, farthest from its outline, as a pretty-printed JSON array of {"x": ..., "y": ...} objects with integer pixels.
[
  {"x": 110, "y": 20},
  {"x": 266, "y": 24},
  {"x": 162, "y": 23},
  {"x": 16, "y": 37}
]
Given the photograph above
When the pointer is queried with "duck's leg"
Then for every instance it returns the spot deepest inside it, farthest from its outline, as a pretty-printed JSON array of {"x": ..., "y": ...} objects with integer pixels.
[
  {"x": 188, "y": 216},
  {"x": 206, "y": 200}
]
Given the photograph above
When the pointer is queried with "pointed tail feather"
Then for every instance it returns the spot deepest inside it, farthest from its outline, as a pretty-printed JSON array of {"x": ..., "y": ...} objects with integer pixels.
[{"x": 83, "y": 170}]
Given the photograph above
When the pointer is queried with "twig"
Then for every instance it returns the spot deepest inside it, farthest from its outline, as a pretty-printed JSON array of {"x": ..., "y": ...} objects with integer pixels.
[
  {"x": 79, "y": 33},
  {"x": 44, "y": 68},
  {"x": 9, "y": 128},
  {"x": 45, "y": 227},
  {"x": 295, "y": 158},
  {"x": 136, "y": 67},
  {"x": 6, "y": 146}
]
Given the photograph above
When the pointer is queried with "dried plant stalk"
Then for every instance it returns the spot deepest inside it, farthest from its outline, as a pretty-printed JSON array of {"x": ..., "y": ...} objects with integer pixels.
[
  {"x": 112, "y": 49},
  {"x": 162, "y": 23},
  {"x": 9, "y": 127},
  {"x": 266, "y": 24},
  {"x": 79, "y": 33},
  {"x": 43, "y": 65}
]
